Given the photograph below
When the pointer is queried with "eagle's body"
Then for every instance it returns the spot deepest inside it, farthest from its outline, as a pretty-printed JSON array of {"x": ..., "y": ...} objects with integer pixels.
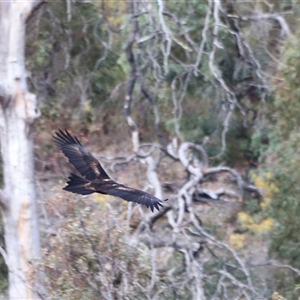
[{"x": 93, "y": 178}]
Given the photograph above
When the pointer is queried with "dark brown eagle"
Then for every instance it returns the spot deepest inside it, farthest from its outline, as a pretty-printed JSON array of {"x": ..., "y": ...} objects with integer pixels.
[{"x": 93, "y": 178}]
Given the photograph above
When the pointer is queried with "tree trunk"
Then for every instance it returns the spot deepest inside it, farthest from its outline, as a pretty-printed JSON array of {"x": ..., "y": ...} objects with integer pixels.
[{"x": 17, "y": 113}]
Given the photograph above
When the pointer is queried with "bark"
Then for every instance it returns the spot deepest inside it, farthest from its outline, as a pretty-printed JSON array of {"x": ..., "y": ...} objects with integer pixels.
[{"x": 17, "y": 114}]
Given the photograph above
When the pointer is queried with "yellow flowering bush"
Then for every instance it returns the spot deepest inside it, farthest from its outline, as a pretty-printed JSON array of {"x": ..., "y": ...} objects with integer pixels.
[
  {"x": 237, "y": 240},
  {"x": 256, "y": 223}
]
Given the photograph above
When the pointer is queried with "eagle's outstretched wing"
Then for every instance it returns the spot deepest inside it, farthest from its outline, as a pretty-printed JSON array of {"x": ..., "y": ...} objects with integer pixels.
[
  {"x": 129, "y": 194},
  {"x": 94, "y": 179},
  {"x": 83, "y": 161}
]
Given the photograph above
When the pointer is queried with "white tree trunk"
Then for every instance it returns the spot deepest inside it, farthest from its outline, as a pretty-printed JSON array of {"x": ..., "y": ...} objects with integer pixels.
[{"x": 17, "y": 113}]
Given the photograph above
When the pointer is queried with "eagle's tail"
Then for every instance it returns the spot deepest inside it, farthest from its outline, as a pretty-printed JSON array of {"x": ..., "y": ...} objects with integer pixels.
[{"x": 77, "y": 184}]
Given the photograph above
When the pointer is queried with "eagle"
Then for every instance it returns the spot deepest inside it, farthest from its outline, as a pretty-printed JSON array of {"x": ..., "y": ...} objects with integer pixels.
[{"x": 93, "y": 178}]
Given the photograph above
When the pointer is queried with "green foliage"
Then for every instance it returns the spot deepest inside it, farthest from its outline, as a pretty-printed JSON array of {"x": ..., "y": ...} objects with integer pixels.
[
  {"x": 281, "y": 157},
  {"x": 215, "y": 264},
  {"x": 252, "y": 206},
  {"x": 197, "y": 124},
  {"x": 287, "y": 284},
  {"x": 286, "y": 204},
  {"x": 62, "y": 54},
  {"x": 90, "y": 256},
  {"x": 284, "y": 148}
]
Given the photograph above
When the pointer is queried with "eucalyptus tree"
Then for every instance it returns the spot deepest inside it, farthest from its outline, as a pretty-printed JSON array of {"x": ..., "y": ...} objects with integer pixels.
[{"x": 17, "y": 114}]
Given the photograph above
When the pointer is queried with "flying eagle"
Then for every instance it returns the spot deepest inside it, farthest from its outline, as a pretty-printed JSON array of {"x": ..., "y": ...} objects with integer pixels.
[{"x": 93, "y": 178}]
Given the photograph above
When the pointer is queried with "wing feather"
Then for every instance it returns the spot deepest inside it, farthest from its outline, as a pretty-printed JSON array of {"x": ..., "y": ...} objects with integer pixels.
[
  {"x": 83, "y": 161},
  {"x": 130, "y": 194}
]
